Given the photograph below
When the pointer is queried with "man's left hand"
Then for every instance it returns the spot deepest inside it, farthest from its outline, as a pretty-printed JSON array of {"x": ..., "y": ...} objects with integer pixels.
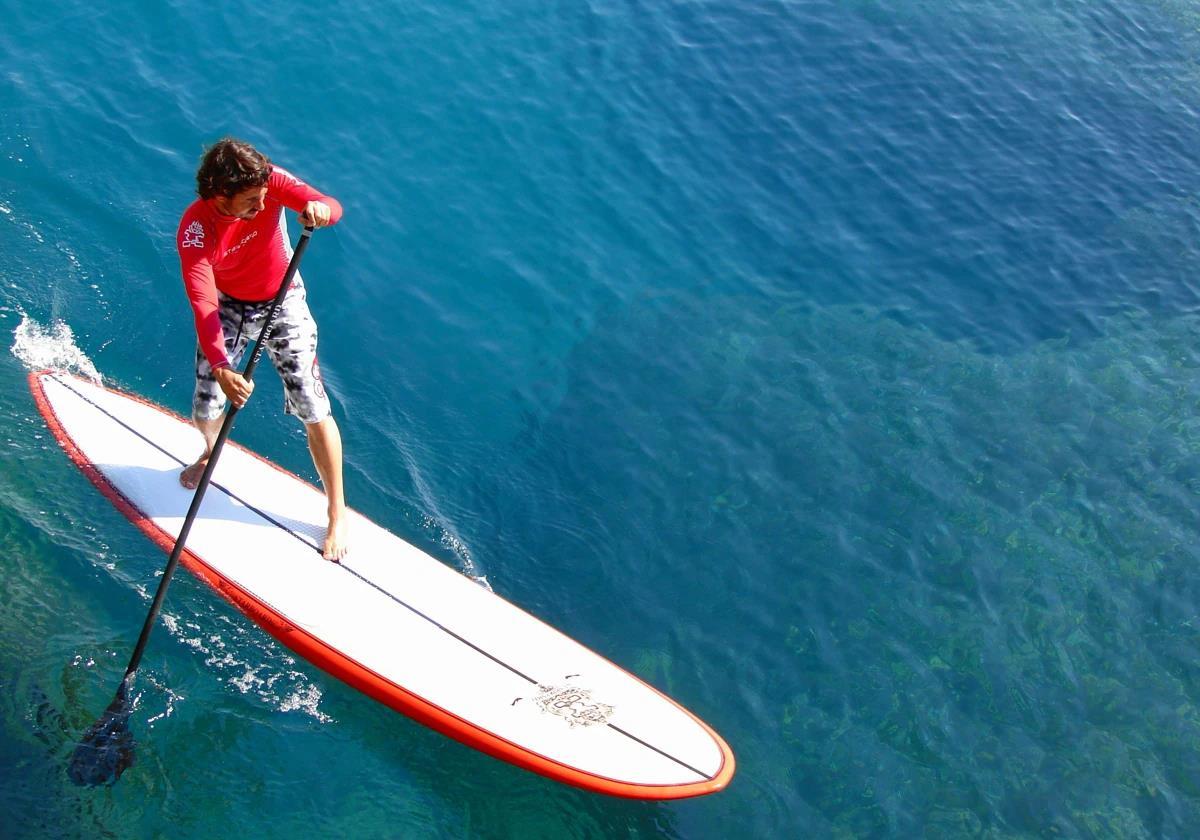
[{"x": 316, "y": 214}]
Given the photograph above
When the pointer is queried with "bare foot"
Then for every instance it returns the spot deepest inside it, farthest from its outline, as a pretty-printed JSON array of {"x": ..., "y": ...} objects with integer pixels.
[
  {"x": 190, "y": 476},
  {"x": 336, "y": 544}
]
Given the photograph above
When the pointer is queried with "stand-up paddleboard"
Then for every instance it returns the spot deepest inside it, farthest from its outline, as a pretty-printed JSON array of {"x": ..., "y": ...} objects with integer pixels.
[{"x": 388, "y": 620}]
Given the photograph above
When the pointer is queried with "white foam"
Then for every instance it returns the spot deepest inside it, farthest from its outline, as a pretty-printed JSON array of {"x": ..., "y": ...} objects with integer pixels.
[
  {"x": 306, "y": 700},
  {"x": 468, "y": 562},
  {"x": 449, "y": 540},
  {"x": 51, "y": 347},
  {"x": 283, "y": 688},
  {"x": 172, "y": 701}
]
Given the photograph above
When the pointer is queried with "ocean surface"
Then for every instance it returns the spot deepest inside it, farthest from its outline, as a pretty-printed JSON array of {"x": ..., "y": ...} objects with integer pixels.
[{"x": 833, "y": 365}]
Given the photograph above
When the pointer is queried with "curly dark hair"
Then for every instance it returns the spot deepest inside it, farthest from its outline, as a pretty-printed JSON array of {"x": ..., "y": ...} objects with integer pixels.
[{"x": 229, "y": 167}]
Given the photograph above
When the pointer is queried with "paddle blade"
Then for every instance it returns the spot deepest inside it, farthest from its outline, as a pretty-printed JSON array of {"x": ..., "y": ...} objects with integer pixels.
[{"x": 106, "y": 749}]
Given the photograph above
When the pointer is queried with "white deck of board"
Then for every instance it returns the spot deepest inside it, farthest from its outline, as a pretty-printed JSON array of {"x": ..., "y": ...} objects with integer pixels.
[{"x": 369, "y": 626}]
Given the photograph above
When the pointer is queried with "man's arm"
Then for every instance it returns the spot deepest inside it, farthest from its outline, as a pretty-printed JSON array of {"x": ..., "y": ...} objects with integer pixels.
[
  {"x": 316, "y": 214},
  {"x": 315, "y": 208},
  {"x": 193, "y": 242},
  {"x": 202, "y": 294}
]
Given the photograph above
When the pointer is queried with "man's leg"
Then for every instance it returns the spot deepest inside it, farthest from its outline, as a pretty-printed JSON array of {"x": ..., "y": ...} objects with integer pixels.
[
  {"x": 208, "y": 400},
  {"x": 325, "y": 444},
  {"x": 293, "y": 348},
  {"x": 190, "y": 476}
]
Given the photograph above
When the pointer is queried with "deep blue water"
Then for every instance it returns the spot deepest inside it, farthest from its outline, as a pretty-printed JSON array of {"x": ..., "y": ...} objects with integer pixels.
[{"x": 832, "y": 365}]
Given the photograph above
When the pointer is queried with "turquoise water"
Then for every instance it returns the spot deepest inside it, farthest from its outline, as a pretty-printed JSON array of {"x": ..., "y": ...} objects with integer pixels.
[{"x": 831, "y": 365}]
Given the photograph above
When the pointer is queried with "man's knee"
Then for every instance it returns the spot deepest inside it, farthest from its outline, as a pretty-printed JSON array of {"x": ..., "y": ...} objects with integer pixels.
[{"x": 326, "y": 425}]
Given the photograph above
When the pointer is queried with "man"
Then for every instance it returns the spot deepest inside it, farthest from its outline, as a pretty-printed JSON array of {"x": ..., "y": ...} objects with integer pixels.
[{"x": 234, "y": 251}]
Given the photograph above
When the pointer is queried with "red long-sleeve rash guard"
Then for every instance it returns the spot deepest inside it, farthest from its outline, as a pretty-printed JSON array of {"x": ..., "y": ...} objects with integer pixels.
[{"x": 244, "y": 259}]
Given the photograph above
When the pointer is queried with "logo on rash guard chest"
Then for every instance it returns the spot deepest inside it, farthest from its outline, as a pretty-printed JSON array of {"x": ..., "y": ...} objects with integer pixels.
[
  {"x": 193, "y": 236},
  {"x": 245, "y": 239}
]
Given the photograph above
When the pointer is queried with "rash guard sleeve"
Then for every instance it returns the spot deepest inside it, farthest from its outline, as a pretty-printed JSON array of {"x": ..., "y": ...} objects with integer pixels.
[
  {"x": 196, "y": 243},
  {"x": 294, "y": 194}
]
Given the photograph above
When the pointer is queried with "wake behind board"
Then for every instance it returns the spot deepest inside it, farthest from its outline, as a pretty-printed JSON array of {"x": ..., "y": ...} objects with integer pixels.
[{"x": 389, "y": 620}]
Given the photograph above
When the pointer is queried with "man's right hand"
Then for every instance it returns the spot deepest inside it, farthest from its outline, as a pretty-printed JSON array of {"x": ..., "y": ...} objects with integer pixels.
[{"x": 235, "y": 386}]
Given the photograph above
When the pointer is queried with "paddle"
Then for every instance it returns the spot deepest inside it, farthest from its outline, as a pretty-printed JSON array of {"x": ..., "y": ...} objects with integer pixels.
[{"x": 106, "y": 749}]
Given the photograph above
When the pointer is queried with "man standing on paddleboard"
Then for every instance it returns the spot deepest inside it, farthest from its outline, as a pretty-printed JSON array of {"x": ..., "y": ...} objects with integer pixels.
[{"x": 234, "y": 251}]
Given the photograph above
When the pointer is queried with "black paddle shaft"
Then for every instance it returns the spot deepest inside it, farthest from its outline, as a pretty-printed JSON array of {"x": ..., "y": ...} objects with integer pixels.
[{"x": 202, "y": 486}]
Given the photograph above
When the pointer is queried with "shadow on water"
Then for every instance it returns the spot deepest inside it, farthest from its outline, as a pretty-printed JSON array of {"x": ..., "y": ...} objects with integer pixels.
[
  {"x": 53, "y": 808},
  {"x": 957, "y": 588}
]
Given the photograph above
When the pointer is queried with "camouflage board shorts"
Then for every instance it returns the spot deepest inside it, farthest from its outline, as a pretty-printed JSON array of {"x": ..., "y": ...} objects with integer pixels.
[{"x": 292, "y": 346}]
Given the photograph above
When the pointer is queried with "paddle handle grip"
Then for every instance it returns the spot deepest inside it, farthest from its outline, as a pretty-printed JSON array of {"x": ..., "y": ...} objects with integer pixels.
[{"x": 201, "y": 487}]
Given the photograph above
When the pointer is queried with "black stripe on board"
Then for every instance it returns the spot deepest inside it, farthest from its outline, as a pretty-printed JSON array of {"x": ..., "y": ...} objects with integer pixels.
[{"x": 267, "y": 517}]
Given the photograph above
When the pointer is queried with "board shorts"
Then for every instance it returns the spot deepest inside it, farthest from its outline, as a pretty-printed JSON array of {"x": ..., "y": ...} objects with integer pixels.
[{"x": 292, "y": 346}]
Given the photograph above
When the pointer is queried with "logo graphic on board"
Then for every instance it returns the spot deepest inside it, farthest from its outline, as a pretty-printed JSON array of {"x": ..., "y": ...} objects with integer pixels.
[
  {"x": 573, "y": 704},
  {"x": 193, "y": 236}
]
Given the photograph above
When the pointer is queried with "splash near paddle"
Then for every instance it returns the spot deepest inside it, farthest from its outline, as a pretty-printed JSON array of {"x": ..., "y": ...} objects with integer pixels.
[{"x": 389, "y": 620}]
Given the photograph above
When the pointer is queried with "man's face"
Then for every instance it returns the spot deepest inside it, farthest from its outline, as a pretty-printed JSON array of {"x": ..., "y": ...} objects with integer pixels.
[{"x": 244, "y": 205}]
